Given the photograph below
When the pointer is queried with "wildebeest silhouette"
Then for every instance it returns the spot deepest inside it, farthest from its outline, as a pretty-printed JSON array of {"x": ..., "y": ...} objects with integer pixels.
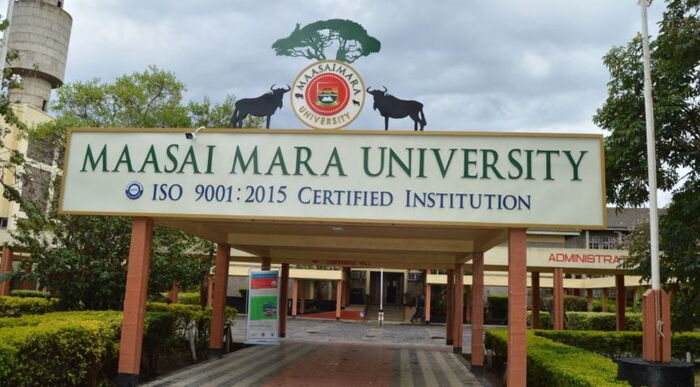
[
  {"x": 392, "y": 107},
  {"x": 356, "y": 102},
  {"x": 263, "y": 106},
  {"x": 299, "y": 95}
]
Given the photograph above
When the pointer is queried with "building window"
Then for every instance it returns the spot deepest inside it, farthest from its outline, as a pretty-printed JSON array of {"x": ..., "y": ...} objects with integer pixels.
[
  {"x": 604, "y": 242},
  {"x": 44, "y": 105},
  {"x": 3, "y": 223},
  {"x": 60, "y": 4}
]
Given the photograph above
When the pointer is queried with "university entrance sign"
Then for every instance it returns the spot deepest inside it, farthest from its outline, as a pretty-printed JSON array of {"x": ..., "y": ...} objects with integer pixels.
[{"x": 479, "y": 179}]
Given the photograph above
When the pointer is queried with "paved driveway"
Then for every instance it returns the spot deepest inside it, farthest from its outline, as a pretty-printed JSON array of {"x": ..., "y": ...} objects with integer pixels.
[
  {"x": 336, "y": 353},
  {"x": 331, "y": 331},
  {"x": 327, "y": 364}
]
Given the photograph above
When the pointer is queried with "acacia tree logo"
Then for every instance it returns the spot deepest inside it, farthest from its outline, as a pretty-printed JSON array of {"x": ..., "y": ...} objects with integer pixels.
[{"x": 349, "y": 39}]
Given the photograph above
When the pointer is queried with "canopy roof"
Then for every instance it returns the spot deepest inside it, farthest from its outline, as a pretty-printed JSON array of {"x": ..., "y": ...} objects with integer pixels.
[{"x": 345, "y": 244}]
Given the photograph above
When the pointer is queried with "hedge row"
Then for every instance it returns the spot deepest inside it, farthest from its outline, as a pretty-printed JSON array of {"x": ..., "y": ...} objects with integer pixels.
[
  {"x": 619, "y": 344},
  {"x": 29, "y": 293},
  {"x": 571, "y": 303},
  {"x": 590, "y": 321},
  {"x": 70, "y": 349},
  {"x": 82, "y": 348},
  {"x": 554, "y": 364},
  {"x": 17, "y": 306},
  {"x": 188, "y": 298}
]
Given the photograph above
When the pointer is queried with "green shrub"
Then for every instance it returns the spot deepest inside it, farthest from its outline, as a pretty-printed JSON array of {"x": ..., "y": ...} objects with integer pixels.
[
  {"x": 17, "y": 306},
  {"x": 498, "y": 306},
  {"x": 610, "y": 344},
  {"x": 571, "y": 303},
  {"x": 68, "y": 350},
  {"x": 29, "y": 293},
  {"x": 188, "y": 298},
  {"x": 598, "y": 306},
  {"x": 82, "y": 348},
  {"x": 592, "y": 321},
  {"x": 545, "y": 320},
  {"x": 619, "y": 344},
  {"x": 573, "y": 366},
  {"x": 686, "y": 342}
]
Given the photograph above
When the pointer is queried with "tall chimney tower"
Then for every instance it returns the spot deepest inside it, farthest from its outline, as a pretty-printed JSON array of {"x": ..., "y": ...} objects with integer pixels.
[{"x": 40, "y": 32}]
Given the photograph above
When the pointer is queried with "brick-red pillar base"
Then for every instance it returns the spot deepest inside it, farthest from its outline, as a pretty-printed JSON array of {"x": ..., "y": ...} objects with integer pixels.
[
  {"x": 458, "y": 321},
  {"x": 558, "y": 299},
  {"x": 604, "y": 299},
  {"x": 517, "y": 308},
  {"x": 174, "y": 292},
  {"x": 655, "y": 347},
  {"x": 477, "y": 310},
  {"x": 216, "y": 335},
  {"x": 284, "y": 290},
  {"x": 338, "y": 298},
  {"x": 135, "y": 302},
  {"x": 295, "y": 296},
  {"x": 535, "y": 286},
  {"x": 449, "y": 326},
  {"x": 428, "y": 291},
  {"x": 621, "y": 304}
]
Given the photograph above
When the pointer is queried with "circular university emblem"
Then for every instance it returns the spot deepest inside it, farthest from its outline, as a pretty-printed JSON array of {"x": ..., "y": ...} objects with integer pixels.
[
  {"x": 328, "y": 95},
  {"x": 134, "y": 190}
]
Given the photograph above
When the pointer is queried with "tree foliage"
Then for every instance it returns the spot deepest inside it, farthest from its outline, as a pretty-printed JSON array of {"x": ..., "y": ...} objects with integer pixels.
[
  {"x": 676, "y": 92},
  {"x": 83, "y": 258},
  {"x": 350, "y": 40}
]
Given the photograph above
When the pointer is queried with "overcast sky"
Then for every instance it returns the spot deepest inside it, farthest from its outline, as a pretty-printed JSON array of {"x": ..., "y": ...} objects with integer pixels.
[
  {"x": 506, "y": 65},
  {"x": 476, "y": 65}
]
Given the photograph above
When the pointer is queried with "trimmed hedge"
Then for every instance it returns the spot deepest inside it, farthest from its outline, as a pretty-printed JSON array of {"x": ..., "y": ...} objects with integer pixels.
[
  {"x": 67, "y": 349},
  {"x": 29, "y": 293},
  {"x": 610, "y": 344},
  {"x": 82, "y": 348},
  {"x": 571, "y": 303},
  {"x": 545, "y": 320},
  {"x": 554, "y": 364},
  {"x": 17, "y": 306},
  {"x": 590, "y": 321},
  {"x": 619, "y": 344},
  {"x": 188, "y": 298}
]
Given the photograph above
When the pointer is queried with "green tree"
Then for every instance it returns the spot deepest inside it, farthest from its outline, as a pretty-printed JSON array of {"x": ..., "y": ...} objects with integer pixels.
[
  {"x": 212, "y": 115},
  {"x": 676, "y": 90},
  {"x": 350, "y": 40},
  {"x": 83, "y": 258}
]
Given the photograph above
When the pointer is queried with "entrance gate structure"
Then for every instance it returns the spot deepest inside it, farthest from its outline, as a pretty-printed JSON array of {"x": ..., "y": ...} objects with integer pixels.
[{"x": 351, "y": 198}]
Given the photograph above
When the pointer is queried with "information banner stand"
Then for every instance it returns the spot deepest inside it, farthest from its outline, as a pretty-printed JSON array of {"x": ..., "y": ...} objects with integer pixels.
[{"x": 263, "y": 308}]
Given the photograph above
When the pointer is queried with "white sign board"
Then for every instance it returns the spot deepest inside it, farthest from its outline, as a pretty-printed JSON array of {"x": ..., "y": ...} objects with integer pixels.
[
  {"x": 567, "y": 258},
  {"x": 263, "y": 308},
  {"x": 485, "y": 179}
]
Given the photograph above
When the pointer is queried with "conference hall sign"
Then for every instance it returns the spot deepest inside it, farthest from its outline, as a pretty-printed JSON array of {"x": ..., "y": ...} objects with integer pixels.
[{"x": 437, "y": 178}]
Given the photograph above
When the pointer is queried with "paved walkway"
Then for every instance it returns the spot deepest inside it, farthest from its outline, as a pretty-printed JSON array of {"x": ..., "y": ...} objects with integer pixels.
[
  {"x": 327, "y": 364},
  {"x": 331, "y": 331}
]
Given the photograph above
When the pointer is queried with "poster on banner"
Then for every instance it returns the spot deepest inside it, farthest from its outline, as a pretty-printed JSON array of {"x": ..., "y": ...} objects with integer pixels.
[{"x": 263, "y": 307}]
